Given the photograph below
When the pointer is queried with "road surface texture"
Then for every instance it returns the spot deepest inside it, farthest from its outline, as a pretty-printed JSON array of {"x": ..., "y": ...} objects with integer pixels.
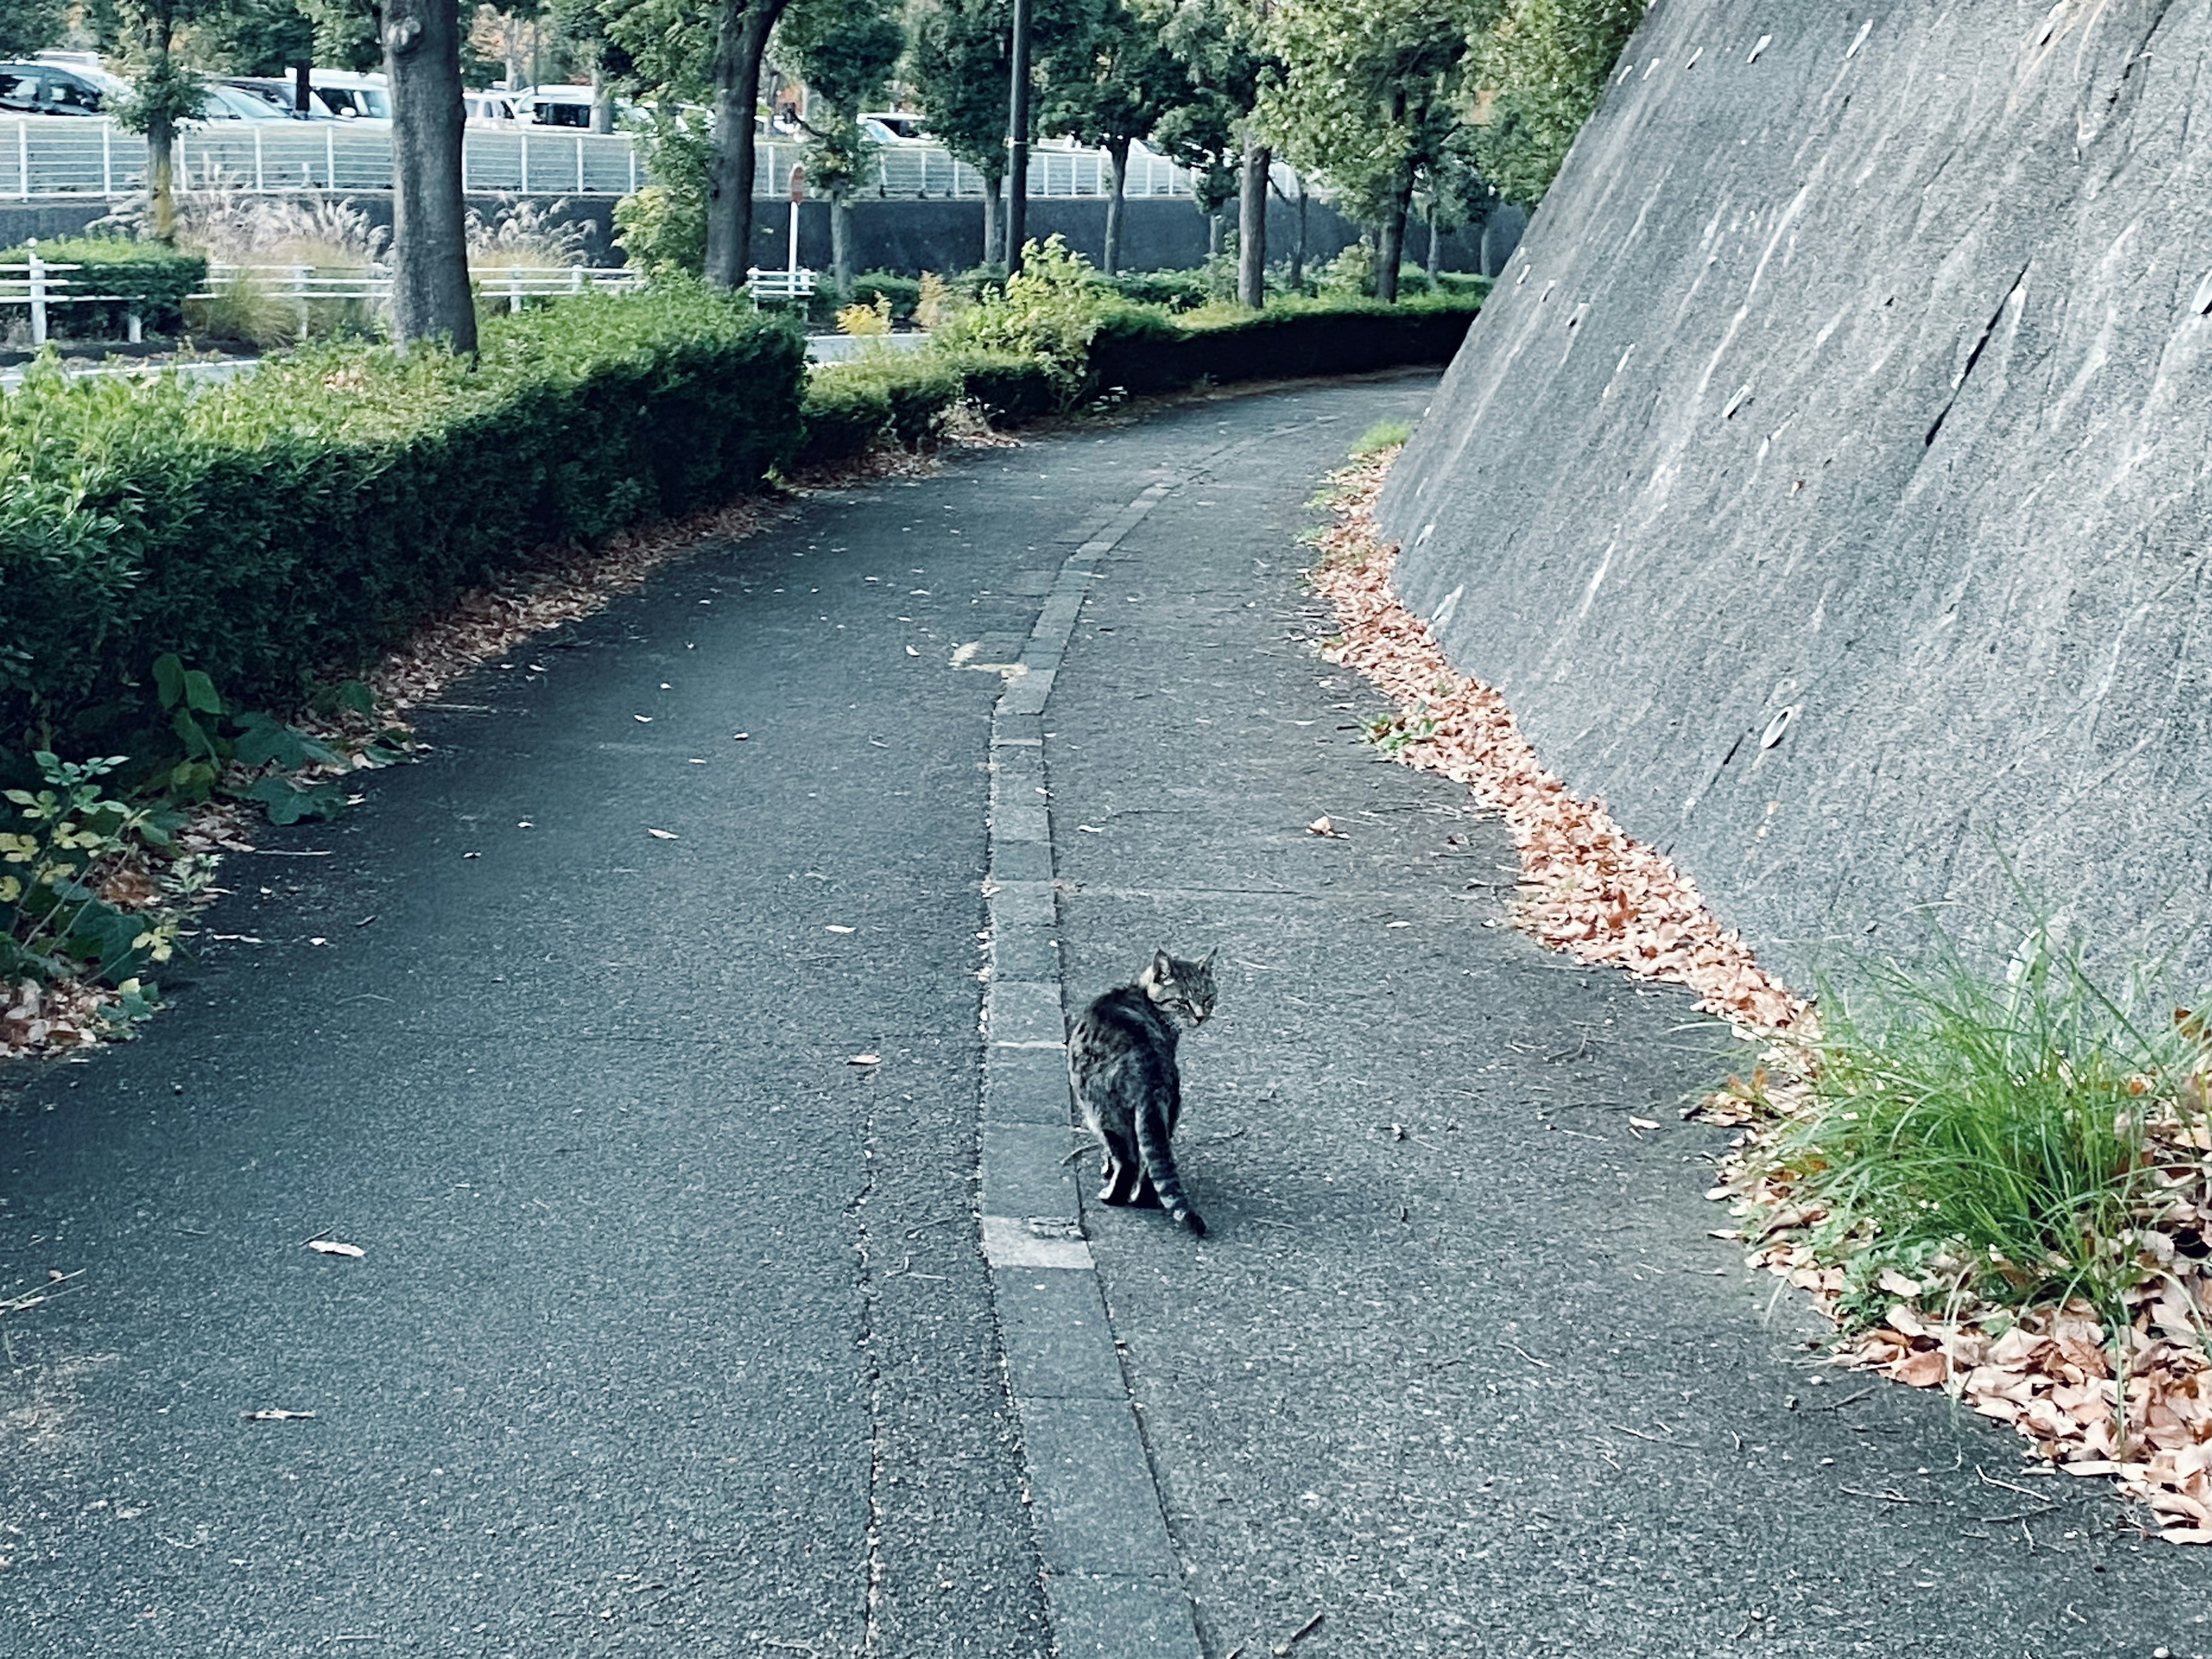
[{"x": 671, "y": 1332}]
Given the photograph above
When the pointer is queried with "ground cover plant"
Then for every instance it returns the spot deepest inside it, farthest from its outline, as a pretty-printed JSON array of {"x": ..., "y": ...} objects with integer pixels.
[{"x": 1992, "y": 1176}]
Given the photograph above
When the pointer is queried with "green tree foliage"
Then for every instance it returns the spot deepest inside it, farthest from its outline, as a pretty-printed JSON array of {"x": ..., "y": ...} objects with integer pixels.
[
  {"x": 1544, "y": 64},
  {"x": 1110, "y": 86},
  {"x": 29, "y": 26},
  {"x": 255, "y": 37},
  {"x": 957, "y": 60},
  {"x": 1373, "y": 96},
  {"x": 845, "y": 52}
]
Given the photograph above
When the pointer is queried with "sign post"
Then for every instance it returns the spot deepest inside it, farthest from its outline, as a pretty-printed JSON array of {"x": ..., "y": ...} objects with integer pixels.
[{"x": 797, "y": 194}]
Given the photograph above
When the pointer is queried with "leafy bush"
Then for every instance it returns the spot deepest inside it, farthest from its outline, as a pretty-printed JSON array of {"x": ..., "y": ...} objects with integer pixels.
[
  {"x": 1047, "y": 312},
  {"x": 903, "y": 294},
  {"x": 53, "y": 918},
  {"x": 1173, "y": 290},
  {"x": 661, "y": 228},
  {"x": 149, "y": 278},
  {"x": 1010, "y": 389},
  {"x": 903, "y": 396},
  {"x": 1142, "y": 350},
  {"x": 268, "y": 528}
]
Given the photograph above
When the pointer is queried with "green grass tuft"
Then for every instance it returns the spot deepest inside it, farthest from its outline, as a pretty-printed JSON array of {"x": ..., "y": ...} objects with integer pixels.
[
  {"x": 1990, "y": 1125},
  {"x": 1383, "y": 434}
]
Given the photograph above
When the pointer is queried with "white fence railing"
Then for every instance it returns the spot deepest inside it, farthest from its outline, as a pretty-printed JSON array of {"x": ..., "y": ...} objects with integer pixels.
[
  {"x": 43, "y": 156},
  {"x": 42, "y": 287}
]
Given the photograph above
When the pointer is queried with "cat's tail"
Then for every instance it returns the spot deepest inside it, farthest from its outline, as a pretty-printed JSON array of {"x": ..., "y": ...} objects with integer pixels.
[{"x": 1160, "y": 1165}]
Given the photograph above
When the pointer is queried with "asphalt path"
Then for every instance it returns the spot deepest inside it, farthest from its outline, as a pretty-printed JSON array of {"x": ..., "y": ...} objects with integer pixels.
[
  {"x": 671, "y": 1330},
  {"x": 1457, "y": 1366}
]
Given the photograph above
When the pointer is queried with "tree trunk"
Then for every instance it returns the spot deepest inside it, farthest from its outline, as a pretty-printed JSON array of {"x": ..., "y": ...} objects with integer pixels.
[
  {"x": 160, "y": 133},
  {"x": 160, "y": 164},
  {"x": 1298, "y": 250},
  {"x": 841, "y": 246},
  {"x": 1213, "y": 234},
  {"x": 1430, "y": 267},
  {"x": 990, "y": 221},
  {"x": 303, "y": 91},
  {"x": 740, "y": 37},
  {"x": 603, "y": 98},
  {"x": 1390, "y": 244},
  {"x": 429, "y": 237},
  {"x": 1252, "y": 228},
  {"x": 1118, "y": 153}
]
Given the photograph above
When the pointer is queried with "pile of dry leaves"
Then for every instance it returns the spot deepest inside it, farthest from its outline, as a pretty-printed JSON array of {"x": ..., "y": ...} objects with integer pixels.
[{"x": 1590, "y": 889}]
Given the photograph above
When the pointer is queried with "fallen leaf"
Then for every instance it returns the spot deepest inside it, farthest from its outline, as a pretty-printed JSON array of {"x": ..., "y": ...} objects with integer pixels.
[
  {"x": 1320, "y": 826},
  {"x": 739, "y": 736},
  {"x": 642, "y": 719},
  {"x": 276, "y": 1416},
  {"x": 319, "y": 941},
  {"x": 835, "y": 928},
  {"x": 1642, "y": 1123},
  {"x": 1920, "y": 1370},
  {"x": 911, "y": 651},
  {"x": 331, "y": 1246},
  {"x": 1897, "y": 1283},
  {"x": 866, "y": 1060},
  {"x": 661, "y": 835}
]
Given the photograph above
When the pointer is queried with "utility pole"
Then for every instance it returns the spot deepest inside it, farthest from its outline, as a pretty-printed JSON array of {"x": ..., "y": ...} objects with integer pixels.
[{"x": 1017, "y": 139}]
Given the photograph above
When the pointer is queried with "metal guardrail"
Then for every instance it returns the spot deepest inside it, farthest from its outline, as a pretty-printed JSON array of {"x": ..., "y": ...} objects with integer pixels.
[
  {"x": 41, "y": 286},
  {"x": 47, "y": 156}
]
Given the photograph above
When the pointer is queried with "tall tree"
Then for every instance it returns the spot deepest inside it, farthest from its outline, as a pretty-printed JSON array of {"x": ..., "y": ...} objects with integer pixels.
[
  {"x": 163, "y": 93},
  {"x": 1543, "y": 64},
  {"x": 845, "y": 52},
  {"x": 682, "y": 51},
  {"x": 430, "y": 294},
  {"x": 741, "y": 32},
  {"x": 1225, "y": 47},
  {"x": 1110, "y": 86},
  {"x": 1371, "y": 95},
  {"x": 957, "y": 59}
]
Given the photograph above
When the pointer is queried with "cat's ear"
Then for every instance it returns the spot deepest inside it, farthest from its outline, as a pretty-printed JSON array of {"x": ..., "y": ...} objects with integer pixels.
[
  {"x": 1207, "y": 962},
  {"x": 1162, "y": 964}
]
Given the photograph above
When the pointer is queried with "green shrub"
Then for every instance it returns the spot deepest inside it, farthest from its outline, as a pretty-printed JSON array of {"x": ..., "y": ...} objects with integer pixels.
[
  {"x": 1174, "y": 290},
  {"x": 146, "y": 277},
  {"x": 302, "y": 517},
  {"x": 1047, "y": 312},
  {"x": 902, "y": 396},
  {"x": 1140, "y": 351},
  {"x": 1009, "y": 388},
  {"x": 904, "y": 292}
]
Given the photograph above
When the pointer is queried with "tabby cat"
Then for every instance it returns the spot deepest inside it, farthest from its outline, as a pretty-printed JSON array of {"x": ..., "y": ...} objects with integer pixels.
[{"x": 1121, "y": 1062}]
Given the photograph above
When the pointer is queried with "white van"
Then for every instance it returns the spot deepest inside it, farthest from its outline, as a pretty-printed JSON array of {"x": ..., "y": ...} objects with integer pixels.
[{"x": 353, "y": 97}]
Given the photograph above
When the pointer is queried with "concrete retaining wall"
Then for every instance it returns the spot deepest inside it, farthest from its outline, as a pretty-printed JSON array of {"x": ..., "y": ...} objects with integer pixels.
[{"x": 1827, "y": 484}]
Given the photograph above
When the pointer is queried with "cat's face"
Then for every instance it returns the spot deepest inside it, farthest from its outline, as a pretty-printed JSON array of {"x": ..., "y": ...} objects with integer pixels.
[{"x": 1181, "y": 987}]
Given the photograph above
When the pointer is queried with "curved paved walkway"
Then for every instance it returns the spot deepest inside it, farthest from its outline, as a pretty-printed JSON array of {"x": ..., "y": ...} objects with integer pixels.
[{"x": 673, "y": 1331}]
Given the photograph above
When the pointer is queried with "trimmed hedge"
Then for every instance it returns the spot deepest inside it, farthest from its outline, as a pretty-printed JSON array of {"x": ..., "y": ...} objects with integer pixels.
[
  {"x": 150, "y": 279},
  {"x": 308, "y": 515},
  {"x": 888, "y": 395},
  {"x": 1140, "y": 351}
]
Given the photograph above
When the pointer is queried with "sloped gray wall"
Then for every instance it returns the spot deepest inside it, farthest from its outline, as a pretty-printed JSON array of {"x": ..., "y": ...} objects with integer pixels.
[{"x": 1856, "y": 366}]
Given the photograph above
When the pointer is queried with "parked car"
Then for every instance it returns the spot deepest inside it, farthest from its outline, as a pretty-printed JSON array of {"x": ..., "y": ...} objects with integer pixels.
[
  {"x": 353, "y": 97},
  {"x": 554, "y": 107},
  {"x": 36, "y": 88},
  {"x": 897, "y": 124},
  {"x": 489, "y": 109},
  {"x": 224, "y": 102},
  {"x": 277, "y": 92}
]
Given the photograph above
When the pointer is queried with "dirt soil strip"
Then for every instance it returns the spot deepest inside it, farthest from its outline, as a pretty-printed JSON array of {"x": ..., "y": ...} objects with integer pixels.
[{"x": 1589, "y": 888}]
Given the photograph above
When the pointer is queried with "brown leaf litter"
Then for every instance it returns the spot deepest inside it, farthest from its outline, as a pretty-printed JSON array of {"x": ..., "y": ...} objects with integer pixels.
[{"x": 2135, "y": 1405}]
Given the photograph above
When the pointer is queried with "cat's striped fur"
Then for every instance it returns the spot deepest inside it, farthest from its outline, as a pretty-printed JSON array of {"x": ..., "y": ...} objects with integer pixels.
[{"x": 1121, "y": 1063}]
